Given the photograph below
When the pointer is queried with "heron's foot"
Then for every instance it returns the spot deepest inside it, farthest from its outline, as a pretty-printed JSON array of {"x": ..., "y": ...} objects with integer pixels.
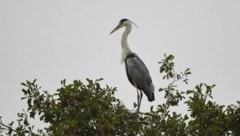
[
  {"x": 135, "y": 116},
  {"x": 137, "y": 111},
  {"x": 136, "y": 119}
]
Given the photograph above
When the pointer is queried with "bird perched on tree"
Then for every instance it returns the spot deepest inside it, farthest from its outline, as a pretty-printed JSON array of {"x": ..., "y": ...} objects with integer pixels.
[{"x": 137, "y": 72}]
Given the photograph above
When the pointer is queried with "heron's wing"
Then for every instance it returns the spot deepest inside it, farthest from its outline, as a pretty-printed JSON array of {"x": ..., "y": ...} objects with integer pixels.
[{"x": 138, "y": 73}]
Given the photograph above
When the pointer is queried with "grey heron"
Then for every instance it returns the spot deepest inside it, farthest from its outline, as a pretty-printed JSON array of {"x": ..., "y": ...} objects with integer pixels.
[{"x": 137, "y": 72}]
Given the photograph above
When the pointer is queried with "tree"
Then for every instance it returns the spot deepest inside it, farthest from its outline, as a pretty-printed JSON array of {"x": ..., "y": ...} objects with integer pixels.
[{"x": 90, "y": 109}]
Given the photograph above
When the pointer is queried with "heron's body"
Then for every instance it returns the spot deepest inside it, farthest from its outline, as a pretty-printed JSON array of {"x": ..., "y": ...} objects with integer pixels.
[
  {"x": 138, "y": 75},
  {"x": 136, "y": 70}
]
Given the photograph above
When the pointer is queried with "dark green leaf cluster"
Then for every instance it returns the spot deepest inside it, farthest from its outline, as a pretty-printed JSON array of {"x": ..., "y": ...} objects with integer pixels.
[
  {"x": 208, "y": 117},
  {"x": 167, "y": 66},
  {"x": 75, "y": 109},
  {"x": 87, "y": 108}
]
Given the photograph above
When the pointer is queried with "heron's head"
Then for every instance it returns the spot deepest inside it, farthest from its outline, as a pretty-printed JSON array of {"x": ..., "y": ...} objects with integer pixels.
[{"x": 122, "y": 23}]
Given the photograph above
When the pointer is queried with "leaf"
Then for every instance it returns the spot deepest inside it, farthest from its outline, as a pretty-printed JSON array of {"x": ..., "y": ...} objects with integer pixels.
[
  {"x": 162, "y": 69},
  {"x": 151, "y": 108},
  {"x": 171, "y": 74},
  {"x": 24, "y": 91},
  {"x": 34, "y": 81},
  {"x": 23, "y": 84},
  {"x": 185, "y": 81},
  {"x": 189, "y": 91},
  {"x": 169, "y": 57},
  {"x": 135, "y": 105},
  {"x": 22, "y": 98},
  {"x": 161, "y": 89},
  {"x": 63, "y": 82},
  {"x": 100, "y": 79}
]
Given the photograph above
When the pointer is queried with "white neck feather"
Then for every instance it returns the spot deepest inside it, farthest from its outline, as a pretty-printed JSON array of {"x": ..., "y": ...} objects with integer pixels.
[{"x": 125, "y": 47}]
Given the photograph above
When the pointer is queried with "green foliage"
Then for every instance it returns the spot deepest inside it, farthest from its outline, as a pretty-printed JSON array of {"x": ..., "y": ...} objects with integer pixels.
[{"x": 88, "y": 108}]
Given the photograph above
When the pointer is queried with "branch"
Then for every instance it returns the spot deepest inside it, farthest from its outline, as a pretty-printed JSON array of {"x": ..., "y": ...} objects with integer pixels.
[{"x": 8, "y": 127}]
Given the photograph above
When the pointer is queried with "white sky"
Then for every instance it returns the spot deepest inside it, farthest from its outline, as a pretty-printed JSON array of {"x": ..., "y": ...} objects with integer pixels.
[{"x": 55, "y": 40}]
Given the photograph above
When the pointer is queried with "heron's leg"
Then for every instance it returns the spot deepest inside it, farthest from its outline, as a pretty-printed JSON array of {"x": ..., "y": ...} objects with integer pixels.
[
  {"x": 138, "y": 102},
  {"x": 141, "y": 95}
]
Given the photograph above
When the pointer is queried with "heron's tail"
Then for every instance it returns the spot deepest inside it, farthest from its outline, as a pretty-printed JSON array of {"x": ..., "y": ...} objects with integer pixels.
[
  {"x": 151, "y": 97},
  {"x": 150, "y": 93}
]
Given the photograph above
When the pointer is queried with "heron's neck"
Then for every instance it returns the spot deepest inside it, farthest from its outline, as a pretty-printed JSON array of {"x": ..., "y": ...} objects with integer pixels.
[{"x": 125, "y": 47}]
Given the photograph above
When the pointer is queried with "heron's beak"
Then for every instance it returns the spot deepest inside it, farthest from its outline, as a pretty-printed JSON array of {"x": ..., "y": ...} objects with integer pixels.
[{"x": 116, "y": 28}]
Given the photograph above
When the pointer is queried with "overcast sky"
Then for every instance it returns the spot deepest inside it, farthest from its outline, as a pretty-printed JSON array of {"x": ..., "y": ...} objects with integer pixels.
[{"x": 54, "y": 40}]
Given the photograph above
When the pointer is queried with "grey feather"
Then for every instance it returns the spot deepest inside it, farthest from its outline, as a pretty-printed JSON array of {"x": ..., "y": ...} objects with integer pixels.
[{"x": 138, "y": 75}]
